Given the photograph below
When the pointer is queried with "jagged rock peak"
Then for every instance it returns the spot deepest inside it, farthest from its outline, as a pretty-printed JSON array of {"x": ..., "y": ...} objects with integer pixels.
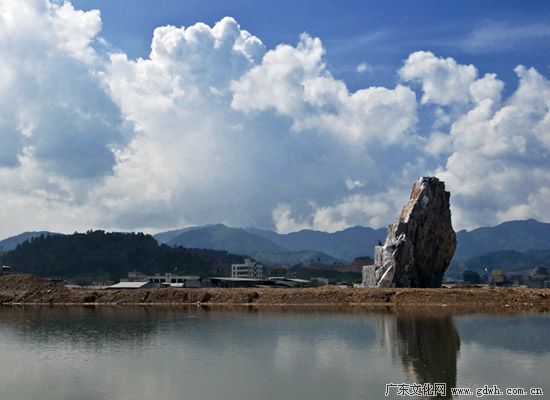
[
  {"x": 427, "y": 191},
  {"x": 420, "y": 245}
]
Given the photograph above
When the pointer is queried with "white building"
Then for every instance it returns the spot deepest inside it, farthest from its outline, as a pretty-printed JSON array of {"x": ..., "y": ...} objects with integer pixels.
[
  {"x": 167, "y": 279},
  {"x": 249, "y": 269},
  {"x": 186, "y": 281}
]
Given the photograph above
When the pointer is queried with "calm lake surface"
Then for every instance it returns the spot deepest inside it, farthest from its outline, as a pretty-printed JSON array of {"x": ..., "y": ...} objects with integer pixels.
[{"x": 87, "y": 353}]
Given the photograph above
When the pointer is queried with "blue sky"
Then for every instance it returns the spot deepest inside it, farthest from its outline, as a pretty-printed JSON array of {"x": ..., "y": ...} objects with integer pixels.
[
  {"x": 493, "y": 35},
  {"x": 285, "y": 115}
]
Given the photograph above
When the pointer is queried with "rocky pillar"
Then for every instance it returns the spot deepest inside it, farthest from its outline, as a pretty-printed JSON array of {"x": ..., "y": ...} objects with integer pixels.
[{"x": 421, "y": 244}]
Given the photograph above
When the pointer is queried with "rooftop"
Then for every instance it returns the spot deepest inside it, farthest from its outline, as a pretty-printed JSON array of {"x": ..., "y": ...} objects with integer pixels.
[{"x": 128, "y": 285}]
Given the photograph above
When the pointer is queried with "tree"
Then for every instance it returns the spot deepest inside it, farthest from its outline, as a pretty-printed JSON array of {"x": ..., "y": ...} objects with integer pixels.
[{"x": 471, "y": 276}]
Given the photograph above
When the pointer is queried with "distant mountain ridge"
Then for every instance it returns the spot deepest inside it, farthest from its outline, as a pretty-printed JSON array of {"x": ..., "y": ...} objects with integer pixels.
[
  {"x": 309, "y": 246},
  {"x": 240, "y": 241},
  {"x": 512, "y": 261},
  {"x": 358, "y": 241},
  {"x": 12, "y": 242},
  {"x": 97, "y": 255},
  {"x": 221, "y": 237},
  {"x": 519, "y": 235},
  {"x": 346, "y": 245}
]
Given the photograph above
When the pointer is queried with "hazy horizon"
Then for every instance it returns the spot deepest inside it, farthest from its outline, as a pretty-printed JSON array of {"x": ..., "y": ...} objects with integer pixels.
[{"x": 237, "y": 227}]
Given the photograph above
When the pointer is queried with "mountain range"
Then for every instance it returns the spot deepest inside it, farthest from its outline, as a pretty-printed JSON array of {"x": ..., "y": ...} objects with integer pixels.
[
  {"x": 12, "y": 242},
  {"x": 109, "y": 256},
  {"x": 345, "y": 245},
  {"x": 520, "y": 236},
  {"x": 264, "y": 246},
  {"x": 511, "y": 245}
]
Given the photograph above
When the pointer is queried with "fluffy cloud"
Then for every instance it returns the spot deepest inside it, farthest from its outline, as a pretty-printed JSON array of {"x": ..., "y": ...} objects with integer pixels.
[
  {"x": 500, "y": 155},
  {"x": 58, "y": 127},
  {"x": 52, "y": 105},
  {"x": 374, "y": 211},
  {"x": 204, "y": 152},
  {"x": 493, "y": 154},
  {"x": 443, "y": 80},
  {"x": 295, "y": 83},
  {"x": 213, "y": 127}
]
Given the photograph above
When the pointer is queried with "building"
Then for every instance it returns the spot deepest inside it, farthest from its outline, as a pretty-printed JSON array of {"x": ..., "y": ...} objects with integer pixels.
[
  {"x": 6, "y": 269},
  {"x": 539, "y": 278},
  {"x": 225, "y": 282},
  {"x": 133, "y": 285},
  {"x": 166, "y": 279},
  {"x": 135, "y": 276},
  {"x": 250, "y": 269}
]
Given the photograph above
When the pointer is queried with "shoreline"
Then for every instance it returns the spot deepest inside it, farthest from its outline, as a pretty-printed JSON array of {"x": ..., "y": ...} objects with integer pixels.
[
  {"x": 429, "y": 308},
  {"x": 23, "y": 290}
]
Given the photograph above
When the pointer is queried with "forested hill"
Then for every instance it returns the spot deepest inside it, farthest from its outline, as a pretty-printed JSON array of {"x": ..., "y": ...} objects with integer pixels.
[{"x": 97, "y": 255}]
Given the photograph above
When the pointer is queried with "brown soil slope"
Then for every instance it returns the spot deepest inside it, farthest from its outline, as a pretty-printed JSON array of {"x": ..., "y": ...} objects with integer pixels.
[{"x": 27, "y": 289}]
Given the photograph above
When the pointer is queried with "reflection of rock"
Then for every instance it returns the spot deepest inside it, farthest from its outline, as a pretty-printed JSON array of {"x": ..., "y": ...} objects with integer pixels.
[
  {"x": 427, "y": 345},
  {"x": 420, "y": 246}
]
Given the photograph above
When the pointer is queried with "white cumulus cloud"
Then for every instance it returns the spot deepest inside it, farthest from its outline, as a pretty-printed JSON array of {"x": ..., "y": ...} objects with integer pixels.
[
  {"x": 214, "y": 127},
  {"x": 59, "y": 129},
  {"x": 294, "y": 82},
  {"x": 500, "y": 156},
  {"x": 443, "y": 80},
  {"x": 358, "y": 209},
  {"x": 204, "y": 153}
]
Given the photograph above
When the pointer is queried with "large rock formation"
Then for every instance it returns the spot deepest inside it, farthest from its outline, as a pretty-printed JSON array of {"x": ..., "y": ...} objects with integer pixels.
[{"x": 420, "y": 245}]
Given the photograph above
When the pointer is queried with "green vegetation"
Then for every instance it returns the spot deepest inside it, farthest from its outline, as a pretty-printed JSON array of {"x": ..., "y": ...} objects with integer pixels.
[
  {"x": 471, "y": 277},
  {"x": 97, "y": 255},
  {"x": 12, "y": 242}
]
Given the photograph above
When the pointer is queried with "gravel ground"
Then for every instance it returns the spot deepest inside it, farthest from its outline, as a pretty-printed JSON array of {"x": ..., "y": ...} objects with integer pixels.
[{"x": 28, "y": 289}]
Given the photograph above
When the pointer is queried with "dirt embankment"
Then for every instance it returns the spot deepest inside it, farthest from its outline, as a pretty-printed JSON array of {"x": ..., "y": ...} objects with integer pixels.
[{"x": 27, "y": 289}]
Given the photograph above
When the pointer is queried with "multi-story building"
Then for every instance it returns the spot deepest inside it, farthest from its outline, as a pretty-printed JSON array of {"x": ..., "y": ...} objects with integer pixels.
[{"x": 250, "y": 269}]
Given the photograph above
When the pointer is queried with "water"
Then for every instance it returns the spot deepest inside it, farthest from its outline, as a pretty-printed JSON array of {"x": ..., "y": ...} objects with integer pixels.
[{"x": 162, "y": 353}]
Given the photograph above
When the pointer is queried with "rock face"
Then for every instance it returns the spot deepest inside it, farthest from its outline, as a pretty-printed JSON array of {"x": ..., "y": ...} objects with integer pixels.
[{"x": 420, "y": 245}]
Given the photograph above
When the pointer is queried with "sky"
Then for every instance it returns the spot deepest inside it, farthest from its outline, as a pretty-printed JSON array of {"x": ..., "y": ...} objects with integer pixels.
[{"x": 283, "y": 115}]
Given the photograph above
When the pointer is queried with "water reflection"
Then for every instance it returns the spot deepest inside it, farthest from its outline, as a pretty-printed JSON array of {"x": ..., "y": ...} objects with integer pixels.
[
  {"x": 79, "y": 325},
  {"x": 429, "y": 348},
  {"x": 524, "y": 334},
  {"x": 108, "y": 353},
  {"x": 426, "y": 345}
]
